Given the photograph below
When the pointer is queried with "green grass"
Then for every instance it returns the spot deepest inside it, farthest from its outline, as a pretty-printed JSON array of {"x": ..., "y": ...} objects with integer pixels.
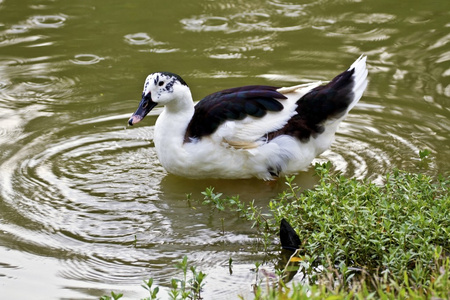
[
  {"x": 359, "y": 240},
  {"x": 384, "y": 241},
  {"x": 393, "y": 228}
]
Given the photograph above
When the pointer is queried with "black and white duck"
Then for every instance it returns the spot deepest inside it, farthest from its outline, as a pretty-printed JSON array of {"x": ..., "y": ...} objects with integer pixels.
[{"x": 250, "y": 131}]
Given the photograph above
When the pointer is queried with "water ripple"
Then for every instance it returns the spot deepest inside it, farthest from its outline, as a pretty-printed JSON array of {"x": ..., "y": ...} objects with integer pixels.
[
  {"x": 251, "y": 20},
  {"x": 290, "y": 17},
  {"x": 289, "y": 9},
  {"x": 26, "y": 81},
  {"x": 86, "y": 59},
  {"x": 206, "y": 23},
  {"x": 241, "y": 22},
  {"x": 47, "y": 21},
  {"x": 16, "y": 29},
  {"x": 373, "y": 18},
  {"x": 141, "y": 38}
]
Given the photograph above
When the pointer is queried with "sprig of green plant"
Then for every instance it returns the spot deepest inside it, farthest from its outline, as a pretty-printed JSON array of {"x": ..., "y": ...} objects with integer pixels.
[
  {"x": 184, "y": 288},
  {"x": 213, "y": 199},
  {"x": 423, "y": 154},
  {"x": 248, "y": 211},
  {"x": 152, "y": 291},
  {"x": 114, "y": 296}
]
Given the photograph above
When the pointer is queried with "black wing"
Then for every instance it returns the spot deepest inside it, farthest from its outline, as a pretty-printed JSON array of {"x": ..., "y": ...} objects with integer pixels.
[{"x": 232, "y": 104}]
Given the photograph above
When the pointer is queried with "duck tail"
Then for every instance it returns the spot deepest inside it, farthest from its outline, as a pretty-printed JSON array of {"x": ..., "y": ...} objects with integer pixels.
[
  {"x": 359, "y": 79},
  {"x": 327, "y": 104},
  {"x": 334, "y": 100}
]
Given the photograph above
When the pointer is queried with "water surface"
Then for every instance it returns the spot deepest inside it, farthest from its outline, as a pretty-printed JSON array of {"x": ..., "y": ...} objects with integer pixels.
[{"x": 85, "y": 206}]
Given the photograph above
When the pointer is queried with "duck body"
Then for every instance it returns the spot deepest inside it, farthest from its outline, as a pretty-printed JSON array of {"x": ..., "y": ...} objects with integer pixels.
[{"x": 250, "y": 131}]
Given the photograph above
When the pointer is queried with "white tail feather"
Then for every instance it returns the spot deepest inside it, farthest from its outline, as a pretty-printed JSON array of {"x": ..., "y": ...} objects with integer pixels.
[{"x": 360, "y": 79}]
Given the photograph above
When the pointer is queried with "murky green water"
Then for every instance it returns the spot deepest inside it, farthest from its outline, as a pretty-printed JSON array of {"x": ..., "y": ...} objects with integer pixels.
[{"x": 85, "y": 207}]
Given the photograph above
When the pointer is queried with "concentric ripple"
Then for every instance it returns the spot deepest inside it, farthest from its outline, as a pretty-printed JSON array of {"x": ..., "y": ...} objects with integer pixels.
[
  {"x": 141, "y": 38},
  {"x": 147, "y": 44},
  {"x": 48, "y": 21},
  {"x": 86, "y": 59},
  {"x": 95, "y": 198},
  {"x": 206, "y": 23},
  {"x": 78, "y": 189}
]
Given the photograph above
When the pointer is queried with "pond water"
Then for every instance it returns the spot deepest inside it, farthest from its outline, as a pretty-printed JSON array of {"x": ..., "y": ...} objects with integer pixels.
[{"x": 85, "y": 206}]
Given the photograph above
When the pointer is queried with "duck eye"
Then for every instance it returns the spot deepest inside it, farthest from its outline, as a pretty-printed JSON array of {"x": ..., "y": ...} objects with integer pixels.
[{"x": 161, "y": 83}]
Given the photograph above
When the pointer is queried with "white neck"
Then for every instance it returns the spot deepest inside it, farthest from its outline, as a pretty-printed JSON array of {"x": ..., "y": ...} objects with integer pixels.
[{"x": 170, "y": 128}]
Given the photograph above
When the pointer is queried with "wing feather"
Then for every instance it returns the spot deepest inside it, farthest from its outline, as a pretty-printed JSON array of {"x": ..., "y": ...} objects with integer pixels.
[
  {"x": 242, "y": 116},
  {"x": 232, "y": 105}
]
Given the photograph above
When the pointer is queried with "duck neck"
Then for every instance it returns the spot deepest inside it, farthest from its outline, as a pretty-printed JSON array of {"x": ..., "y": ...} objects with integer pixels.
[
  {"x": 184, "y": 105},
  {"x": 171, "y": 125}
]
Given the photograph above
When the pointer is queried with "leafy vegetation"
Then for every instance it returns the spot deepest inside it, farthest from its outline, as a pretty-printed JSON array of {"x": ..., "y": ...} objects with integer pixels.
[
  {"x": 359, "y": 240},
  {"x": 387, "y": 240},
  {"x": 390, "y": 229}
]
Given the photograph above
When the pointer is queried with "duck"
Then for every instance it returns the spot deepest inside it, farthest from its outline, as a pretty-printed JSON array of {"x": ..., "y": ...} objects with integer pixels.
[{"x": 250, "y": 131}]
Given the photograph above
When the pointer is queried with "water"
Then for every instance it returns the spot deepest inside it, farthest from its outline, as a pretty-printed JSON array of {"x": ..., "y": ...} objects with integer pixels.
[{"x": 85, "y": 206}]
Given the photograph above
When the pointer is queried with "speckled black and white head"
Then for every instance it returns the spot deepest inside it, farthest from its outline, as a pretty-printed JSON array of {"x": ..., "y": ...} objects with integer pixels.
[{"x": 159, "y": 88}]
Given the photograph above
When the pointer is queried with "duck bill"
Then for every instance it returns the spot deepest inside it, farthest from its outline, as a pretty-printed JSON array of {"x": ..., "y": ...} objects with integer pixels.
[{"x": 145, "y": 106}]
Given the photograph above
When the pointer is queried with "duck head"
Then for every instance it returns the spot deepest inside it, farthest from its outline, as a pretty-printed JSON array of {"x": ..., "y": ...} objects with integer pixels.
[{"x": 159, "y": 88}]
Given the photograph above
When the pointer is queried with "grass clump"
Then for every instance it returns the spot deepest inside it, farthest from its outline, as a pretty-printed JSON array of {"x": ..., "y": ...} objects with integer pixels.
[
  {"x": 384, "y": 241},
  {"x": 392, "y": 228}
]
